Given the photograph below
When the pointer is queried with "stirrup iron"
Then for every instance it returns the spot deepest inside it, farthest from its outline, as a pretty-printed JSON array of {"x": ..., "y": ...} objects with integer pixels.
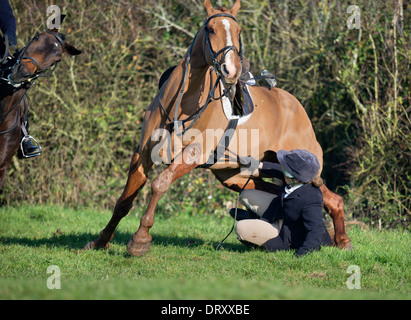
[
  {"x": 270, "y": 78},
  {"x": 28, "y": 137}
]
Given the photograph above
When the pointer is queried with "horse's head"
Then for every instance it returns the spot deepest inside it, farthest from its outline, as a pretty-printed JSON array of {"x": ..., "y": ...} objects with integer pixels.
[
  {"x": 42, "y": 53},
  {"x": 223, "y": 42}
]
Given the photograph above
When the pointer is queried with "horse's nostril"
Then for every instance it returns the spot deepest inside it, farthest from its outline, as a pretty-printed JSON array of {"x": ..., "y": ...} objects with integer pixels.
[
  {"x": 225, "y": 70},
  {"x": 22, "y": 71}
]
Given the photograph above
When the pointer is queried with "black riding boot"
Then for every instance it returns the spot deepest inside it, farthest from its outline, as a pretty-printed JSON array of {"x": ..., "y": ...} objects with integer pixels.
[{"x": 29, "y": 146}]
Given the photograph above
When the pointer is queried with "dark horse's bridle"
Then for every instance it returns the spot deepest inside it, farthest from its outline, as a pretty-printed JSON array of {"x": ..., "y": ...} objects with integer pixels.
[
  {"x": 216, "y": 66},
  {"x": 37, "y": 73}
]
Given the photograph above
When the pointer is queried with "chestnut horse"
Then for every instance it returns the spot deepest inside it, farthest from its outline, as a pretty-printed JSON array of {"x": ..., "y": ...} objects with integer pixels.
[
  {"x": 192, "y": 98},
  {"x": 38, "y": 58}
]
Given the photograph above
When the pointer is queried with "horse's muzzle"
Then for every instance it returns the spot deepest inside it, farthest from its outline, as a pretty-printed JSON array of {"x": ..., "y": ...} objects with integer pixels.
[
  {"x": 19, "y": 74},
  {"x": 231, "y": 68}
]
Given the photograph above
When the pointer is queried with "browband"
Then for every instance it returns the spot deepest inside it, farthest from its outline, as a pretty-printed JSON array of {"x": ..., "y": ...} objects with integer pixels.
[{"x": 219, "y": 15}]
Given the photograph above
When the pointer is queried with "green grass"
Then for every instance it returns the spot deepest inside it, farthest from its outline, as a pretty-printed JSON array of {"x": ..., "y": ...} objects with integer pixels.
[{"x": 183, "y": 263}]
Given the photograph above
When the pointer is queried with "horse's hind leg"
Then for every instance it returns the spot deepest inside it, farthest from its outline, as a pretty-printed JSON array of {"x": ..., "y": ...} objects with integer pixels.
[
  {"x": 334, "y": 205},
  {"x": 136, "y": 180},
  {"x": 185, "y": 162}
]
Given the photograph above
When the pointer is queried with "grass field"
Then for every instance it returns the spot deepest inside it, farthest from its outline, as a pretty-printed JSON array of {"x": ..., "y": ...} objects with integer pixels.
[{"x": 183, "y": 263}]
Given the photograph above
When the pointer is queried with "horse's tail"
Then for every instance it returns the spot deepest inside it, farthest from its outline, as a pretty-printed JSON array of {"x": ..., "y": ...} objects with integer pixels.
[{"x": 317, "y": 182}]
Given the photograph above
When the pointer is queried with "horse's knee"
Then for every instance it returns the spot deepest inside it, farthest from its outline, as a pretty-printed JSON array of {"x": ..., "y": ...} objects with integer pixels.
[
  {"x": 192, "y": 153},
  {"x": 163, "y": 182}
]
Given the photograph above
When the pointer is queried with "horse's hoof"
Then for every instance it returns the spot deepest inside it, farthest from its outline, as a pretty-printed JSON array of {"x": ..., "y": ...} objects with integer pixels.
[
  {"x": 89, "y": 246},
  {"x": 138, "y": 249},
  {"x": 346, "y": 245},
  {"x": 95, "y": 245}
]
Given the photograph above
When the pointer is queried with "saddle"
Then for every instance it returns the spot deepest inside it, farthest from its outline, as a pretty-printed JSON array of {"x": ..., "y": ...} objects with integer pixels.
[
  {"x": 243, "y": 102},
  {"x": 5, "y": 88},
  {"x": 7, "y": 60}
]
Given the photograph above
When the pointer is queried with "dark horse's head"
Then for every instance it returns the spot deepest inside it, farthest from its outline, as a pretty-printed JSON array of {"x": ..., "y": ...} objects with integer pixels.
[
  {"x": 223, "y": 41},
  {"x": 41, "y": 54}
]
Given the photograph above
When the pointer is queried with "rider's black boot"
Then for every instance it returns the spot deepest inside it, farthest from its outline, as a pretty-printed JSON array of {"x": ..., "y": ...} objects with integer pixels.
[{"x": 29, "y": 147}]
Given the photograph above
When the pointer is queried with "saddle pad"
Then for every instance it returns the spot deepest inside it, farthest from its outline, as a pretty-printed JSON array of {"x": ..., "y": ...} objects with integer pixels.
[{"x": 228, "y": 110}]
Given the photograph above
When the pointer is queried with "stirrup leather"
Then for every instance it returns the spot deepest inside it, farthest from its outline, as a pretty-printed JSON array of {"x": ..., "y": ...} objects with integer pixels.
[{"x": 28, "y": 137}]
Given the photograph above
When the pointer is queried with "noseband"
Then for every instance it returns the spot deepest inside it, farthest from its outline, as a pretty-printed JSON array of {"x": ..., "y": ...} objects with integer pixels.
[
  {"x": 214, "y": 55},
  {"x": 40, "y": 72}
]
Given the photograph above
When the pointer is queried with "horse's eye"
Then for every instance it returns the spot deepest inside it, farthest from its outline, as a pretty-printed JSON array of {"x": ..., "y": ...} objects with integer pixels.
[{"x": 211, "y": 31}]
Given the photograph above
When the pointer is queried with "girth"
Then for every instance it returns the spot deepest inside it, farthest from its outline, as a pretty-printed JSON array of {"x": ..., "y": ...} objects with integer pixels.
[{"x": 222, "y": 144}]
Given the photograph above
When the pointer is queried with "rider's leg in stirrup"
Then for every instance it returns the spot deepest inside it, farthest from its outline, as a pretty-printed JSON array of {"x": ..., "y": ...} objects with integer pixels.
[{"x": 29, "y": 146}]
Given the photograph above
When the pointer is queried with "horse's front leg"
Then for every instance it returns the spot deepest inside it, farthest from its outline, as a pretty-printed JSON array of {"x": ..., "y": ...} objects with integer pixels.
[
  {"x": 186, "y": 161},
  {"x": 136, "y": 180}
]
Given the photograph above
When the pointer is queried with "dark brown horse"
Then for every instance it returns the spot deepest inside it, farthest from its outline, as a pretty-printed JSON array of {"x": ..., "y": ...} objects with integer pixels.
[
  {"x": 192, "y": 104},
  {"x": 38, "y": 58}
]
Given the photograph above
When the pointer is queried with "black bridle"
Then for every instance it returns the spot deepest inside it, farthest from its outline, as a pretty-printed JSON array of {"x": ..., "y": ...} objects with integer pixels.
[
  {"x": 38, "y": 72},
  {"x": 26, "y": 84},
  {"x": 211, "y": 93},
  {"x": 225, "y": 50}
]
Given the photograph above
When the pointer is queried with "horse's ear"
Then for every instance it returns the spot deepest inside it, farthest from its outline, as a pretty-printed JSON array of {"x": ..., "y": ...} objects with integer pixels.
[
  {"x": 209, "y": 8},
  {"x": 62, "y": 16},
  {"x": 233, "y": 11},
  {"x": 71, "y": 50}
]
